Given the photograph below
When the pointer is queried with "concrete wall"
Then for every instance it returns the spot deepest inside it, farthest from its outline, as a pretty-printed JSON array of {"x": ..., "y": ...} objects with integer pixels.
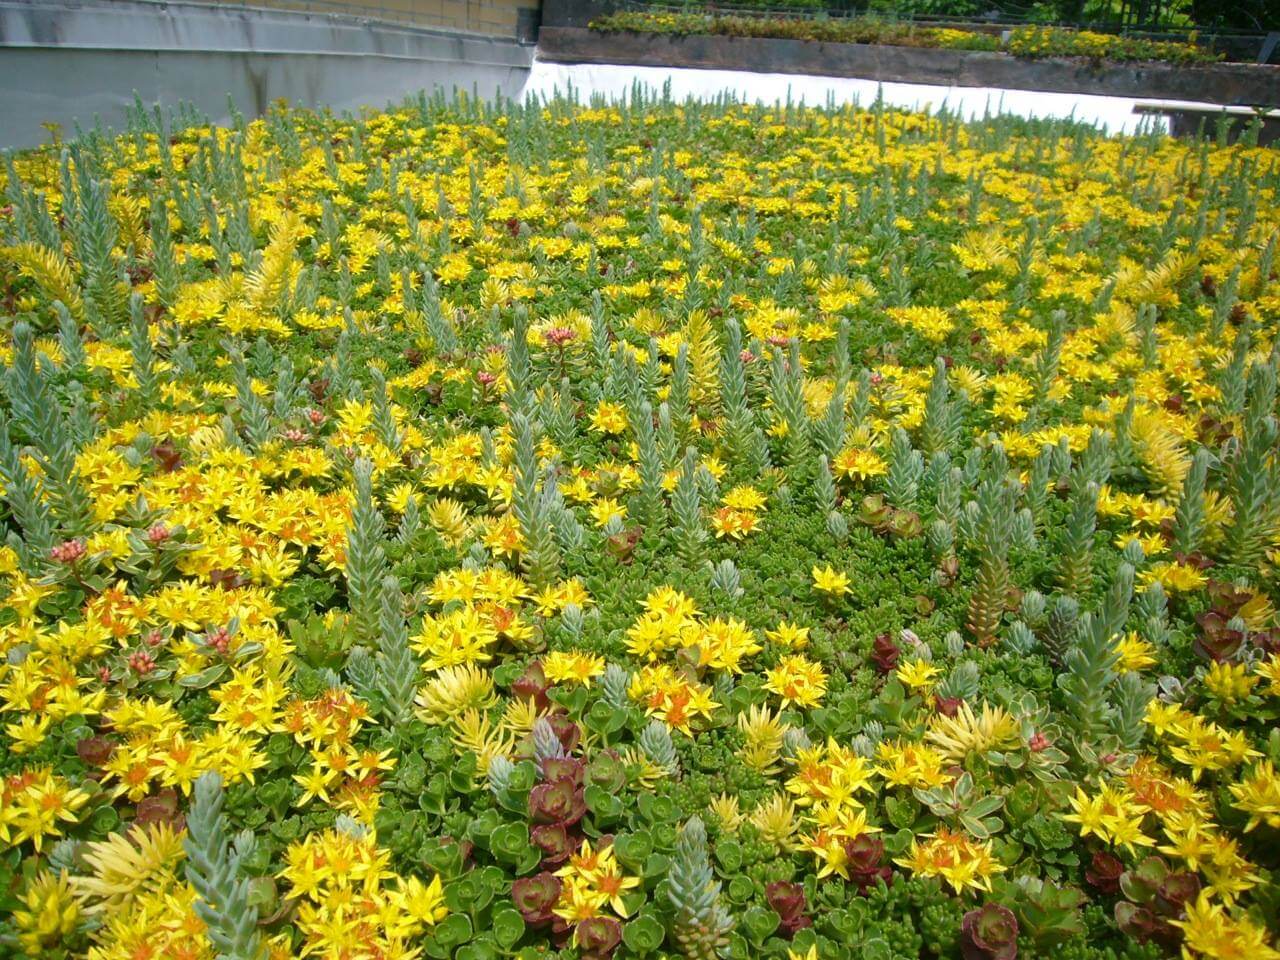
[{"x": 61, "y": 62}]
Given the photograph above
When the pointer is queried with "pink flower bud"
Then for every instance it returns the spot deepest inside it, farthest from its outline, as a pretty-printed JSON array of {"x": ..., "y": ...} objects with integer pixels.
[
  {"x": 68, "y": 552},
  {"x": 220, "y": 640}
]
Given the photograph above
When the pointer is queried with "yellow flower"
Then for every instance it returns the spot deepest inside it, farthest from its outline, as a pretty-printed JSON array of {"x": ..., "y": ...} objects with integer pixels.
[
  {"x": 453, "y": 690},
  {"x": 907, "y": 764},
  {"x": 315, "y": 784},
  {"x": 1174, "y": 576},
  {"x": 744, "y": 498},
  {"x": 1269, "y": 670},
  {"x": 423, "y": 902},
  {"x": 572, "y": 666},
  {"x": 994, "y": 728},
  {"x": 829, "y": 581},
  {"x": 723, "y": 642},
  {"x": 1230, "y": 682},
  {"x": 1209, "y": 931},
  {"x": 1165, "y": 718},
  {"x": 28, "y": 733},
  {"x": 49, "y": 913},
  {"x": 917, "y": 674},
  {"x": 1114, "y": 816},
  {"x": 34, "y": 804},
  {"x": 609, "y": 418},
  {"x": 955, "y": 857},
  {"x": 127, "y": 865},
  {"x": 1258, "y": 794},
  {"x": 1134, "y": 653},
  {"x": 733, "y": 524},
  {"x": 790, "y": 635},
  {"x": 607, "y": 509},
  {"x": 858, "y": 464},
  {"x": 1205, "y": 745},
  {"x": 797, "y": 680},
  {"x": 593, "y": 880}
]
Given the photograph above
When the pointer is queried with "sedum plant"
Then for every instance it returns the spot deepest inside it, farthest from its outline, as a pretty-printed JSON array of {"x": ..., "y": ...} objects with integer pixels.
[
  {"x": 214, "y": 868},
  {"x": 366, "y": 562},
  {"x": 700, "y": 925}
]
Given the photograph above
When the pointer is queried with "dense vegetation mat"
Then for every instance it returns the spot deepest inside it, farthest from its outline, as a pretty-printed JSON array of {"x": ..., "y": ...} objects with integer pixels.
[
  {"x": 1026, "y": 42},
  {"x": 475, "y": 531}
]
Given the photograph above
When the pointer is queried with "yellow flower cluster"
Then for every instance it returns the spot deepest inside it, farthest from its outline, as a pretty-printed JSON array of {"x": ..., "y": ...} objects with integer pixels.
[
  {"x": 350, "y": 901},
  {"x": 955, "y": 857},
  {"x": 739, "y": 513},
  {"x": 1196, "y": 742},
  {"x": 1119, "y": 813},
  {"x": 797, "y": 681},
  {"x": 591, "y": 881},
  {"x": 37, "y": 804},
  {"x": 671, "y": 696}
]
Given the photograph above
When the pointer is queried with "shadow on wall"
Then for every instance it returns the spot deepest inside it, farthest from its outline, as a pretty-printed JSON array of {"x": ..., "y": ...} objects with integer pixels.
[
  {"x": 76, "y": 64},
  {"x": 77, "y": 86}
]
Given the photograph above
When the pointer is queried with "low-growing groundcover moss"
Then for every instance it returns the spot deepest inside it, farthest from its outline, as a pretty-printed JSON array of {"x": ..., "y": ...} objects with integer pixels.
[{"x": 638, "y": 530}]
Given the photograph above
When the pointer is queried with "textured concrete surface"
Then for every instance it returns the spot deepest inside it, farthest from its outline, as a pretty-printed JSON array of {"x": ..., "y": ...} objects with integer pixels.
[
  {"x": 63, "y": 63},
  {"x": 496, "y": 17},
  {"x": 1214, "y": 83}
]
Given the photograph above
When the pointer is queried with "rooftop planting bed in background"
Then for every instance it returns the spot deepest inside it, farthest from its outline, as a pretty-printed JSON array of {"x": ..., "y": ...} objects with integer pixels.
[{"x": 1024, "y": 41}]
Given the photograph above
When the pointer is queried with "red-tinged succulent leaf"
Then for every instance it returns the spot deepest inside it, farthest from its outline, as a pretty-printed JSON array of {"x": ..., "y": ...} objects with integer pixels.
[
  {"x": 1216, "y": 640},
  {"x": 535, "y": 897},
  {"x": 564, "y": 768},
  {"x": 533, "y": 685},
  {"x": 95, "y": 751},
  {"x": 554, "y": 841},
  {"x": 623, "y": 545},
  {"x": 885, "y": 653},
  {"x": 989, "y": 933},
  {"x": 947, "y": 706},
  {"x": 568, "y": 731},
  {"x": 1104, "y": 872},
  {"x": 557, "y": 801},
  {"x": 787, "y": 901},
  {"x": 1177, "y": 890},
  {"x": 160, "y": 808},
  {"x": 598, "y": 937}
]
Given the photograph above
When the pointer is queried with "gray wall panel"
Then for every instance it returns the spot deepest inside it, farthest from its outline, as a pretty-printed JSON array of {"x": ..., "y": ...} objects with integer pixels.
[{"x": 63, "y": 63}]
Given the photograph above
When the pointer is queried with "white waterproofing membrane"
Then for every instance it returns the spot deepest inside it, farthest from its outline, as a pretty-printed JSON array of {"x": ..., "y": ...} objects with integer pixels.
[{"x": 613, "y": 81}]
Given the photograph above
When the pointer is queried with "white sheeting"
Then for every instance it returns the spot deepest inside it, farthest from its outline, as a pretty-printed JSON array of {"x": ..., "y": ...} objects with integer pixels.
[{"x": 1115, "y": 114}]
